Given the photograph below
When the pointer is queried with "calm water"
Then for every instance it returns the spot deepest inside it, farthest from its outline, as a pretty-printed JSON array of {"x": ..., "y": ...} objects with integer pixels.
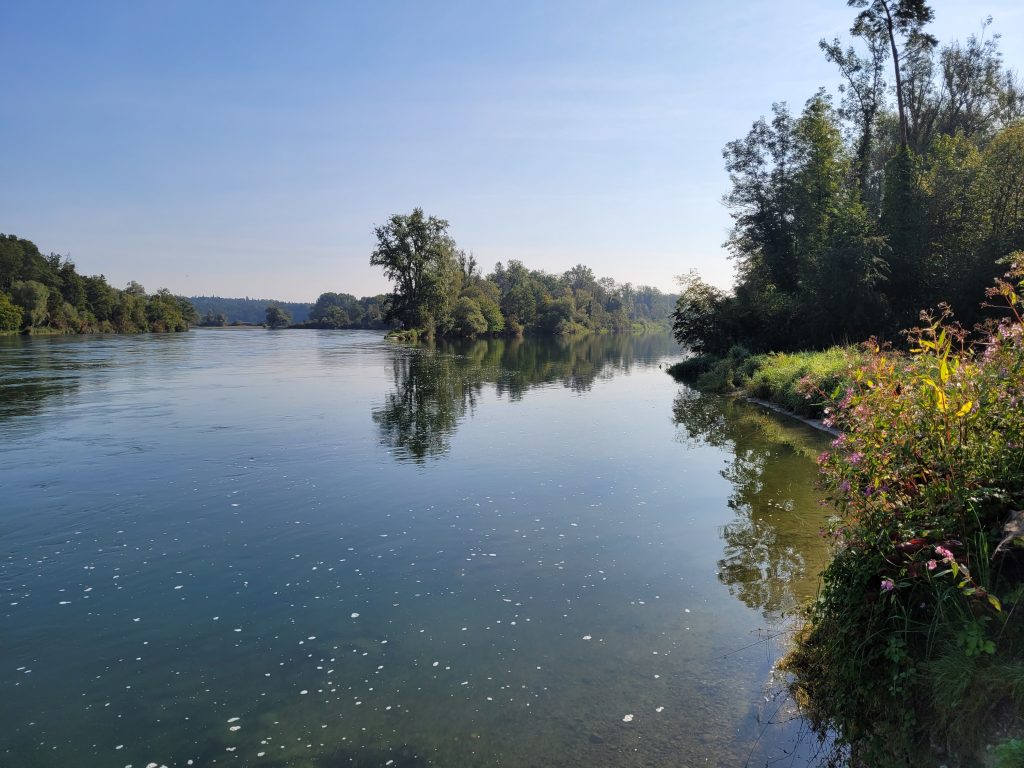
[{"x": 322, "y": 549}]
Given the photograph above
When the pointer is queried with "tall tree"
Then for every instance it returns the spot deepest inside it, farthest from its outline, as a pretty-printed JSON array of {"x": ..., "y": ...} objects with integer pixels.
[
  {"x": 420, "y": 258},
  {"x": 863, "y": 96},
  {"x": 905, "y": 19},
  {"x": 761, "y": 167}
]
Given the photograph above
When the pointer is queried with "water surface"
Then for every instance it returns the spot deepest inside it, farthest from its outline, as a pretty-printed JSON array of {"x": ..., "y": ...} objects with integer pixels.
[{"x": 238, "y": 547}]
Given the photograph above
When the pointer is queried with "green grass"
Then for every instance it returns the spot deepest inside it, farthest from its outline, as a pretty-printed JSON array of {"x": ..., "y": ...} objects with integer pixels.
[{"x": 803, "y": 382}]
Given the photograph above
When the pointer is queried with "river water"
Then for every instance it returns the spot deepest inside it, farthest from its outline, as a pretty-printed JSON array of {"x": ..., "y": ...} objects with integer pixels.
[{"x": 302, "y": 548}]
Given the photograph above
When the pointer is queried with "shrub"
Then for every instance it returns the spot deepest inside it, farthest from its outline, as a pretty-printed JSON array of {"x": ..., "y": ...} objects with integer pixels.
[
  {"x": 796, "y": 380},
  {"x": 911, "y": 636}
]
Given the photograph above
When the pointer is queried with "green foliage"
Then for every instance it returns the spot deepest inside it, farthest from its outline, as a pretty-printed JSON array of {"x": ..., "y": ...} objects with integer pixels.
[
  {"x": 436, "y": 290},
  {"x": 51, "y": 297},
  {"x": 699, "y": 316},
  {"x": 927, "y": 478},
  {"x": 277, "y": 318},
  {"x": 469, "y": 321},
  {"x": 32, "y": 297},
  {"x": 419, "y": 257},
  {"x": 849, "y": 220},
  {"x": 166, "y": 312},
  {"x": 10, "y": 315},
  {"x": 798, "y": 380}
]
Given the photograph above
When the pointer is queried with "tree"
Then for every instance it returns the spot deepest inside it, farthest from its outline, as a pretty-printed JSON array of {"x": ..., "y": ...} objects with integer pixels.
[
  {"x": 336, "y": 310},
  {"x": 333, "y": 317},
  {"x": 469, "y": 320},
  {"x": 277, "y": 318},
  {"x": 165, "y": 312},
  {"x": 32, "y": 297},
  {"x": 891, "y": 18},
  {"x": 420, "y": 258},
  {"x": 100, "y": 297},
  {"x": 10, "y": 315},
  {"x": 696, "y": 322},
  {"x": 761, "y": 167},
  {"x": 863, "y": 95},
  {"x": 129, "y": 313}
]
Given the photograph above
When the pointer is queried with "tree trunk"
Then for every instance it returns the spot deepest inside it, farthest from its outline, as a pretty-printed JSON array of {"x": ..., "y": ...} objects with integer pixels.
[{"x": 896, "y": 67}]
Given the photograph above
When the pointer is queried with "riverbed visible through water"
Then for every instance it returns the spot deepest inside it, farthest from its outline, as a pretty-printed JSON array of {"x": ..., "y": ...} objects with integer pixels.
[{"x": 320, "y": 548}]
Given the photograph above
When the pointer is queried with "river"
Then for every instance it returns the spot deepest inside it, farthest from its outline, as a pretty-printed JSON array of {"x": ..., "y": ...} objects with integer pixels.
[{"x": 306, "y": 548}]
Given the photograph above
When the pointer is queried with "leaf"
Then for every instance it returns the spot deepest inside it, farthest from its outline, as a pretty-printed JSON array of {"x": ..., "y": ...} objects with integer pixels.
[
  {"x": 964, "y": 409},
  {"x": 943, "y": 371},
  {"x": 995, "y": 602},
  {"x": 940, "y": 396}
]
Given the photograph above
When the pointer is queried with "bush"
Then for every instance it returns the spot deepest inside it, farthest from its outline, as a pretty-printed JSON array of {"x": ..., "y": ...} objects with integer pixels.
[
  {"x": 911, "y": 639},
  {"x": 798, "y": 380}
]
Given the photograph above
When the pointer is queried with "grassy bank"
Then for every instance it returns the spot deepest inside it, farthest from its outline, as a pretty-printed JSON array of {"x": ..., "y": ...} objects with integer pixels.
[
  {"x": 798, "y": 381},
  {"x": 913, "y": 652}
]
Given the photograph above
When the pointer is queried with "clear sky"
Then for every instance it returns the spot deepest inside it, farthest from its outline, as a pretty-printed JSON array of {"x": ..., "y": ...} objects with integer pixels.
[{"x": 248, "y": 148}]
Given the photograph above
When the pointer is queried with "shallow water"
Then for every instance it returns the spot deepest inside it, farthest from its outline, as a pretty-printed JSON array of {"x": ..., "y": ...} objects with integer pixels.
[{"x": 239, "y": 547}]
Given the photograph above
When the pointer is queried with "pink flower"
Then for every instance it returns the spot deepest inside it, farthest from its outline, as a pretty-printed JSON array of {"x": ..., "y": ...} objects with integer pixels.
[
  {"x": 944, "y": 553},
  {"x": 888, "y": 585},
  {"x": 932, "y": 565}
]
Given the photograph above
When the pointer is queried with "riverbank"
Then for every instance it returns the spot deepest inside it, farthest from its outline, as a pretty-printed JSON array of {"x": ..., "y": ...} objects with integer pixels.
[
  {"x": 913, "y": 651},
  {"x": 798, "y": 383}
]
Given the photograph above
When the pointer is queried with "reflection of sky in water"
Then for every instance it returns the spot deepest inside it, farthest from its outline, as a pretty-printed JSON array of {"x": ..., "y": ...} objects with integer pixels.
[{"x": 214, "y": 549}]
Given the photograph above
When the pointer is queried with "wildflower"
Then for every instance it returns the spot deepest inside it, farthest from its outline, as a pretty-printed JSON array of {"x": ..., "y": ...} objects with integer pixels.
[
  {"x": 845, "y": 486},
  {"x": 888, "y": 585},
  {"x": 847, "y": 398},
  {"x": 932, "y": 565},
  {"x": 944, "y": 553},
  {"x": 856, "y": 457}
]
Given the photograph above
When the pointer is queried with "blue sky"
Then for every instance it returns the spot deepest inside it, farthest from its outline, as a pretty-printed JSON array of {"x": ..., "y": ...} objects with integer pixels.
[{"x": 248, "y": 148}]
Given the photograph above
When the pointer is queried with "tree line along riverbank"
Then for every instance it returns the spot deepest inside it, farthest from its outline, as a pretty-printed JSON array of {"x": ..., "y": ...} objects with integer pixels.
[{"x": 46, "y": 295}]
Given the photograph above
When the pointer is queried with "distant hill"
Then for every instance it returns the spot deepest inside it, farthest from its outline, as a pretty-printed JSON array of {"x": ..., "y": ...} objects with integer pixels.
[{"x": 248, "y": 310}]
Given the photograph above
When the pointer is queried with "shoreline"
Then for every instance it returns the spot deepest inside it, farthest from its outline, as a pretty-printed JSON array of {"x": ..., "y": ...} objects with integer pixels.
[{"x": 815, "y": 423}]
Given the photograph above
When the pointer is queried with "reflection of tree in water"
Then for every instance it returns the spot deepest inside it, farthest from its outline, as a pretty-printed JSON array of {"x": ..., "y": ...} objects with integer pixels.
[
  {"x": 32, "y": 374},
  {"x": 436, "y": 386},
  {"x": 772, "y": 551},
  {"x": 432, "y": 393}
]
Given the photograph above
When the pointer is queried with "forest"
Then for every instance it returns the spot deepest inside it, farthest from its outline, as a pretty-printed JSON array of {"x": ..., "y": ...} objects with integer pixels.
[
  {"x": 45, "y": 294},
  {"x": 903, "y": 190},
  {"x": 438, "y": 290},
  {"x": 219, "y": 311}
]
